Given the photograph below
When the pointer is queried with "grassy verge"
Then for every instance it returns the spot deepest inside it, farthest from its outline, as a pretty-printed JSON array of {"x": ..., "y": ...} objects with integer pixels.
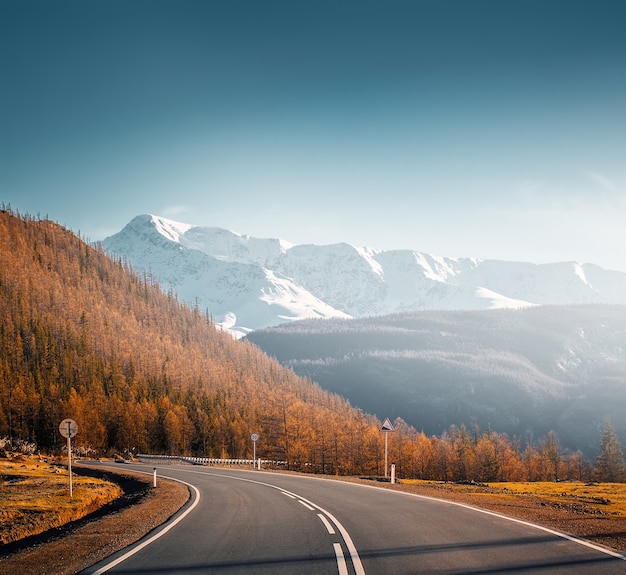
[
  {"x": 599, "y": 499},
  {"x": 71, "y": 549},
  {"x": 34, "y": 496}
]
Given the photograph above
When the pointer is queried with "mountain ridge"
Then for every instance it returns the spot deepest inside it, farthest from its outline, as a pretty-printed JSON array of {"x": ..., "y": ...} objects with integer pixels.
[
  {"x": 249, "y": 283},
  {"x": 523, "y": 372}
]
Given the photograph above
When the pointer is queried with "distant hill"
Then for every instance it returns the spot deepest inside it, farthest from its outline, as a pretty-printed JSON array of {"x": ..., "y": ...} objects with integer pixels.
[
  {"x": 82, "y": 336},
  {"x": 248, "y": 283},
  {"x": 522, "y": 372}
]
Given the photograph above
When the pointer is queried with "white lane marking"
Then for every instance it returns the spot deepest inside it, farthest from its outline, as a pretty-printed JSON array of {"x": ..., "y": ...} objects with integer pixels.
[
  {"x": 289, "y": 495},
  {"x": 354, "y": 555},
  {"x": 328, "y": 526},
  {"x": 560, "y": 534},
  {"x": 306, "y": 505},
  {"x": 156, "y": 536},
  {"x": 356, "y": 560},
  {"x": 571, "y": 538},
  {"x": 341, "y": 560},
  {"x": 583, "y": 542}
]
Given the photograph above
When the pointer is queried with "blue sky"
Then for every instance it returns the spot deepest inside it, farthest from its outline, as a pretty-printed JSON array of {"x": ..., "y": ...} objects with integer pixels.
[{"x": 482, "y": 128}]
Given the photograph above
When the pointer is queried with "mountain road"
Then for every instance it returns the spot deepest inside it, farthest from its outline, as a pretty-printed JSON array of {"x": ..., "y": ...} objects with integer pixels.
[{"x": 254, "y": 522}]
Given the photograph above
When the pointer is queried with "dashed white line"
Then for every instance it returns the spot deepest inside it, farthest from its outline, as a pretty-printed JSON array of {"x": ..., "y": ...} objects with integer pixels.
[
  {"x": 327, "y": 524},
  {"x": 354, "y": 554},
  {"x": 289, "y": 495},
  {"x": 306, "y": 505},
  {"x": 341, "y": 560}
]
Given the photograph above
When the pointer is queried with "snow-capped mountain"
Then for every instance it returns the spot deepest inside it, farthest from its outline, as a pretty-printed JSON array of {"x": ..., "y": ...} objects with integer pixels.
[{"x": 248, "y": 283}]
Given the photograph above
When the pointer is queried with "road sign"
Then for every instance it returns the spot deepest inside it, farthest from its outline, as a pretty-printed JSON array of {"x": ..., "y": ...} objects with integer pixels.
[
  {"x": 386, "y": 426},
  {"x": 254, "y": 437},
  {"x": 68, "y": 428}
]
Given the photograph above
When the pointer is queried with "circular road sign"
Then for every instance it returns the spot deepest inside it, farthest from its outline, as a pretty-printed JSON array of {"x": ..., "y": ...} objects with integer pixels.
[
  {"x": 68, "y": 428},
  {"x": 254, "y": 437}
]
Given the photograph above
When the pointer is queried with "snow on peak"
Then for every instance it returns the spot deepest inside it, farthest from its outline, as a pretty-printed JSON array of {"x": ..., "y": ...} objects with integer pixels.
[
  {"x": 248, "y": 283},
  {"x": 169, "y": 228}
]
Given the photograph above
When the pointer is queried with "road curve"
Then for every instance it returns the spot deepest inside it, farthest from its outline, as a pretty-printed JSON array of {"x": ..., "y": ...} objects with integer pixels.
[{"x": 250, "y": 522}]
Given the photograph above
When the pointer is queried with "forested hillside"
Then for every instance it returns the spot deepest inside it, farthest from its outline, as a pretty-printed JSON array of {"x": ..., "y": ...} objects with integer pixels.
[
  {"x": 522, "y": 372},
  {"x": 82, "y": 336}
]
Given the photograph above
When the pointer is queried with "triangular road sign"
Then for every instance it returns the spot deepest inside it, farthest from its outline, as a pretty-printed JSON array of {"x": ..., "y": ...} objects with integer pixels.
[{"x": 386, "y": 426}]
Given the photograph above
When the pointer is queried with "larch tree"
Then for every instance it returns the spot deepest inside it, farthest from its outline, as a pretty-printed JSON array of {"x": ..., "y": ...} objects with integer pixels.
[
  {"x": 610, "y": 462},
  {"x": 552, "y": 455}
]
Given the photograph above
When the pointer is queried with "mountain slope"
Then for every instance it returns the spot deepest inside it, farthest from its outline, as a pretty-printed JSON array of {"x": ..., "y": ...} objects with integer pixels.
[
  {"x": 217, "y": 271},
  {"x": 249, "y": 283},
  {"x": 523, "y": 372},
  {"x": 82, "y": 337}
]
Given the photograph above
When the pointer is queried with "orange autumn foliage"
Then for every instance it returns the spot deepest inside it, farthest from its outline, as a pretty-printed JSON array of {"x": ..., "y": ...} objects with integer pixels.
[{"x": 84, "y": 336}]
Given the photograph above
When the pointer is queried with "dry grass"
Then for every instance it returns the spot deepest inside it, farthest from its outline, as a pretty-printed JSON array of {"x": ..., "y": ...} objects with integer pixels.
[
  {"x": 34, "y": 496},
  {"x": 597, "y": 498},
  {"x": 80, "y": 544},
  {"x": 584, "y": 498}
]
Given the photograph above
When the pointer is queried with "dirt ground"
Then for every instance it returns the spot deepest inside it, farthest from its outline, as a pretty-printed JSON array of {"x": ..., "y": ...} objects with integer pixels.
[{"x": 76, "y": 547}]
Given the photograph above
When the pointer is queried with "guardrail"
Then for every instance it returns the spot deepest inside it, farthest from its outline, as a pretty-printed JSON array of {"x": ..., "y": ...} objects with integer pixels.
[{"x": 174, "y": 459}]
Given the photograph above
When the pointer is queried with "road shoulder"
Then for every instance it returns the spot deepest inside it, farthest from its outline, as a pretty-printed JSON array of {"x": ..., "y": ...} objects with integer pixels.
[{"x": 76, "y": 546}]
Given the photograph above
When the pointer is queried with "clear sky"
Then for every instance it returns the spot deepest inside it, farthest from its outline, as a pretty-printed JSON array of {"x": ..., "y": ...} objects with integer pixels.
[{"x": 478, "y": 128}]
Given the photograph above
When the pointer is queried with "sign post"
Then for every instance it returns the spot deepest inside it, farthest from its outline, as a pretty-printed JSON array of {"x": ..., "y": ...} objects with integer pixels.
[
  {"x": 69, "y": 428},
  {"x": 255, "y": 438},
  {"x": 386, "y": 428}
]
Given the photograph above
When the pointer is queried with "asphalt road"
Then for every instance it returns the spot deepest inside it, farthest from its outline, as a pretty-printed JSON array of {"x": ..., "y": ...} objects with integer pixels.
[{"x": 260, "y": 523}]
